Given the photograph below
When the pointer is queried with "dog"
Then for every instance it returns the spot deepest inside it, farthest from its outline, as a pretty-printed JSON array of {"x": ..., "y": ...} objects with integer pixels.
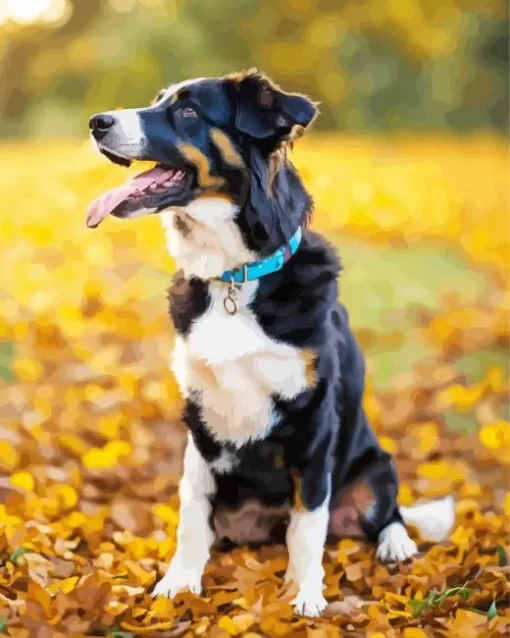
[{"x": 279, "y": 447}]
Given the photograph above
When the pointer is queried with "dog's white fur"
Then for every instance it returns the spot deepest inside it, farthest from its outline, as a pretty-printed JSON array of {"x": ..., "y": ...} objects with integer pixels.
[
  {"x": 194, "y": 535},
  {"x": 394, "y": 544},
  {"x": 306, "y": 536},
  {"x": 127, "y": 138},
  {"x": 434, "y": 519},
  {"x": 213, "y": 243},
  {"x": 236, "y": 367}
]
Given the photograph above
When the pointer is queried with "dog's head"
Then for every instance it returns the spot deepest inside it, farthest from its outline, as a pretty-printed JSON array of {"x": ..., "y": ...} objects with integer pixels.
[{"x": 222, "y": 178}]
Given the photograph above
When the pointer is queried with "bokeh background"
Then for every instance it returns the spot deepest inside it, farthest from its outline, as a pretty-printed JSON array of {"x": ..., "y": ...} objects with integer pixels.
[{"x": 408, "y": 164}]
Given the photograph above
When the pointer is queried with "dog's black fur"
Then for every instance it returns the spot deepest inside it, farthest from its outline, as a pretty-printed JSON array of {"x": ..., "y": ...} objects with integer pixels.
[
  {"x": 322, "y": 435},
  {"x": 231, "y": 136},
  {"x": 324, "y": 430}
]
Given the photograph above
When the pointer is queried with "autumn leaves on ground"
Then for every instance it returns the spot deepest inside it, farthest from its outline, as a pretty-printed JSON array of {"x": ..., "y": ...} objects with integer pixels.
[{"x": 91, "y": 445}]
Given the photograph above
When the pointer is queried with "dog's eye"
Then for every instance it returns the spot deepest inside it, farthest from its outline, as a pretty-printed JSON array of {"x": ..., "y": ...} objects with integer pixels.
[{"x": 189, "y": 112}]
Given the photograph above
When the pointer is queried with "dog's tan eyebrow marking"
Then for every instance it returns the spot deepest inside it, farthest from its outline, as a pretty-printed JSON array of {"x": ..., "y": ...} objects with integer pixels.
[
  {"x": 182, "y": 94},
  {"x": 159, "y": 95},
  {"x": 226, "y": 148}
]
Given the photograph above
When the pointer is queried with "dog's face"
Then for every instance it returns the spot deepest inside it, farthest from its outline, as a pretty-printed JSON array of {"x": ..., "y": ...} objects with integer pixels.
[{"x": 205, "y": 136}]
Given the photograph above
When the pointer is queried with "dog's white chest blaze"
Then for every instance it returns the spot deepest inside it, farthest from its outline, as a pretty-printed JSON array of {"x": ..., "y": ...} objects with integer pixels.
[{"x": 237, "y": 368}]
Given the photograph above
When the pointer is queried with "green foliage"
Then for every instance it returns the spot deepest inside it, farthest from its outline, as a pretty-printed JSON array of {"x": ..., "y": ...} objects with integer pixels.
[
  {"x": 6, "y": 357},
  {"x": 363, "y": 61},
  {"x": 434, "y": 599},
  {"x": 502, "y": 556},
  {"x": 492, "y": 612},
  {"x": 18, "y": 553}
]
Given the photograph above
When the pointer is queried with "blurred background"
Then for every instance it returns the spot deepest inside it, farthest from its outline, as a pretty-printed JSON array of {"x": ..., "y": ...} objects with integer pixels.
[
  {"x": 408, "y": 164},
  {"x": 374, "y": 65}
]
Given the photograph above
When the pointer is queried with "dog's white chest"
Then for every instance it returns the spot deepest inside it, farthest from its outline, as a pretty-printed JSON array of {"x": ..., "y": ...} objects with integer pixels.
[{"x": 237, "y": 368}]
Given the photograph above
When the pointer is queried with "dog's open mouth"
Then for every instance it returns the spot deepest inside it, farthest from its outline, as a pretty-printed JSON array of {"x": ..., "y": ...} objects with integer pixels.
[{"x": 147, "y": 192}]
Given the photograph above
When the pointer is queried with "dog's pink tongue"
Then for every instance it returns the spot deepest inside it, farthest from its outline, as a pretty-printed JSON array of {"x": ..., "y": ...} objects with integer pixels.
[{"x": 107, "y": 202}]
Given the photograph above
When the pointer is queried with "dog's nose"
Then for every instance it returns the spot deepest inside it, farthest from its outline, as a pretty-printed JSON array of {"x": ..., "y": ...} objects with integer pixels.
[{"x": 100, "y": 124}]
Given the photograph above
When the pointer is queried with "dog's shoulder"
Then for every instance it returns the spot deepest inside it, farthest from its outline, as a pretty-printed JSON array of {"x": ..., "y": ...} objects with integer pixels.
[{"x": 295, "y": 305}]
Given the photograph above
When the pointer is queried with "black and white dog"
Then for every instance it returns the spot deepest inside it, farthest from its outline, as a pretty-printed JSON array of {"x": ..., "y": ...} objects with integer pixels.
[{"x": 278, "y": 445}]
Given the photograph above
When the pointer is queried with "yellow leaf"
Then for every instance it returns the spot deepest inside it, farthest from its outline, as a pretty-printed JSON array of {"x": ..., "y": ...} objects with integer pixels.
[
  {"x": 228, "y": 625},
  {"x": 144, "y": 578},
  {"x": 66, "y": 586},
  {"x": 242, "y": 622},
  {"x": 166, "y": 513},
  {"x": 395, "y": 599},
  {"x": 108, "y": 456},
  {"x": 388, "y": 445},
  {"x": 405, "y": 495},
  {"x": 398, "y": 613},
  {"x": 116, "y": 607},
  {"x": 24, "y": 480},
  {"x": 28, "y": 369},
  {"x": 72, "y": 444},
  {"x": 496, "y": 435},
  {"x": 434, "y": 469},
  {"x": 506, "y": 504},
  {"x": 9, "y": 457},
  {"x": 109, "y": 425},
  {"x": 415, "y": 632},
  {"x": 64, "y": 494},
  {"x": 461, "y": 397},
  {"x": 163, "y": 607}
]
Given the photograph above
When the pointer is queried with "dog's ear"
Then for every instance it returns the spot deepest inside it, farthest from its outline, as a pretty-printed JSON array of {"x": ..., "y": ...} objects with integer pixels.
[{"x": 265, "y": 111}]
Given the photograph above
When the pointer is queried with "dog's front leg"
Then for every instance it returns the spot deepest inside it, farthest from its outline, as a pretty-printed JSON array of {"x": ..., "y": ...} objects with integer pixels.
[
  {"x": 194, "y": 534},
  {"x": 306, "y": 536},
  {"x": 309, "y": 518}
]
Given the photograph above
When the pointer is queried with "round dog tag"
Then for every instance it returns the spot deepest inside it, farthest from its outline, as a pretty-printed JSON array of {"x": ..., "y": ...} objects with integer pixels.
[{"x": 230, "y": 305}]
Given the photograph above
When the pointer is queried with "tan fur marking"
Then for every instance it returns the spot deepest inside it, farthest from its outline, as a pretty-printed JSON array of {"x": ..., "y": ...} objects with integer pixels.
[
  {"x": 225, "y": 146},
  {"x": 299, "y": 503},
  {"x": 213, "y": 195},
  {"x": 182, "y": 225},
  {"x": 178, "y": 95},
  {"x": 196, "y": 157},
  {"x": 157, "y": 97},
  {"x": 310, "y": 359},
  {"x": 205, "y": 372},
  {"x": 252, "y": 522},
  {"x": 350, "y": 509}
]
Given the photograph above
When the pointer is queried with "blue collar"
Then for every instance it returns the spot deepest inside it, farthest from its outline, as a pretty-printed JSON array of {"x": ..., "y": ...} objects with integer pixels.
[{"x": 270, "y": 264}]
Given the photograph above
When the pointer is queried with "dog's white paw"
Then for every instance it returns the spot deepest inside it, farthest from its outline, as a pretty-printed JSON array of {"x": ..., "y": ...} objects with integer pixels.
[
  {"x": 395, "y": 544},
  {"x": 309, "y": 601},
  {"x": 178, "y": 579}
]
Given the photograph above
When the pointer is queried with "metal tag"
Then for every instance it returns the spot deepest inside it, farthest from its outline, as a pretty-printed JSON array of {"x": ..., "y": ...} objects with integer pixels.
[{"x": 230, "y": 303}]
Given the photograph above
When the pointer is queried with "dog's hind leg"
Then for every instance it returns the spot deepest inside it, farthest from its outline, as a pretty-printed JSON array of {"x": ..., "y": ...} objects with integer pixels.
[{"x": 394, "y": 544}]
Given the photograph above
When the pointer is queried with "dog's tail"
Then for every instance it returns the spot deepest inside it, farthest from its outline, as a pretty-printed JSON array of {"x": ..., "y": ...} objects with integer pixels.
[{"x": 434, "y": 520}]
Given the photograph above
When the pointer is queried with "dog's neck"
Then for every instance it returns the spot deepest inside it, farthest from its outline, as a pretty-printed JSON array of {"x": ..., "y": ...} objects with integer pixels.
[
  {"x": 204, "y": 238},
  {"x": 213, "y": 235}
]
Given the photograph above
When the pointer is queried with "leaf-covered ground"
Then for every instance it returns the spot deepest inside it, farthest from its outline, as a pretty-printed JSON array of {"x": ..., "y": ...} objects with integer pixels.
[{"x": 90, "y": 440}]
